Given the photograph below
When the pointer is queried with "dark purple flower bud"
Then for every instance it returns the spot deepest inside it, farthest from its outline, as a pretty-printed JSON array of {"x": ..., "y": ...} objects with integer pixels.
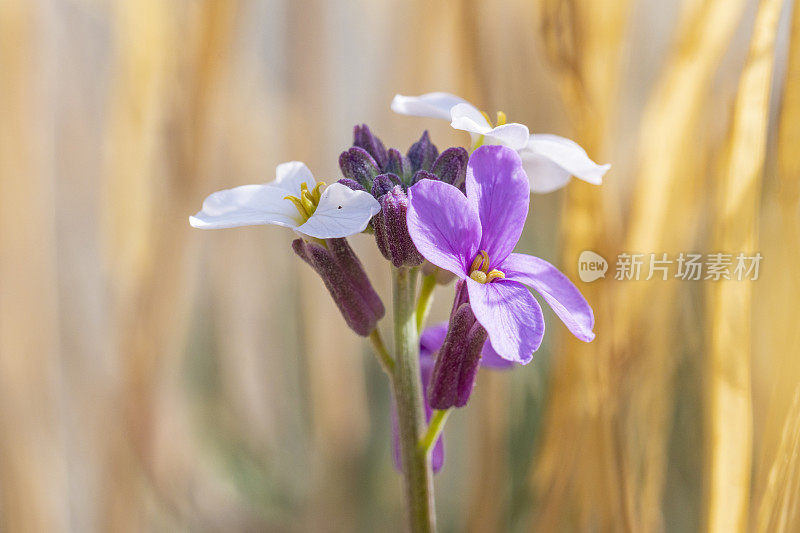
[
  {"x": 451, "y": 166},
  {"x": 383, "y": 184},
  {"x": 420, "y": 175},
  {"x": 458, "y": 360},
  {"x": 422, "y": 153},
  {"x": 345, "y": 280},
  {"x": 398, "y": 164},
  {"x": 363, "y": 137},
  {"x": 352, "y": 184},
  {"x": 348, "y": 261},
  {"x": 358, "y": 165},
  {"x": 391, "y": 230}
]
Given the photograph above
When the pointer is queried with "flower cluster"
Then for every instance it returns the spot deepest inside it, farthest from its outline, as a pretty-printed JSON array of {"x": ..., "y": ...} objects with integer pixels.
[{"x": 457, "y": 211}]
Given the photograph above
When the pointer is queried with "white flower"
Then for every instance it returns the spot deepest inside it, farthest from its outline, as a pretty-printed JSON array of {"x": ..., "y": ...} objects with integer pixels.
[
  {"x": 548, "y": 160},
  {"x": 294, "y": 200}
]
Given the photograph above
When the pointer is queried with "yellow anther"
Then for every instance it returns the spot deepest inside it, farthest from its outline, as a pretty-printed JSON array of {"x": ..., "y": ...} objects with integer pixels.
[
  {"x": 501, "y": 118},
  {"x": 478, "y": 275},
  {"x": 494, "y": 274},
  {"x": 481, "y": 262},
  {"x": 316, "y": 193},
  {"x": 479, "y": 271},
  {"x": 299, "y": 205},
  {"x": 476, "y": 263},
  {"x": 308, "y": 201}
]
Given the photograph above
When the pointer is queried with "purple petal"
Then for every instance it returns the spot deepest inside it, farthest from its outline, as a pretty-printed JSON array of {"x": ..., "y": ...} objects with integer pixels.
[
  {"x": 511, "y": 315},
  {"x": 490, "y": 358},
  {"x": 420, "y": 175},
  {"x": 443, "y": 225},
  {"x": 432, "y": 338},
  {"x": 498, "y": 188},
  {"x": 556, "y": 289},
  {"x": 426, "y": 363}
]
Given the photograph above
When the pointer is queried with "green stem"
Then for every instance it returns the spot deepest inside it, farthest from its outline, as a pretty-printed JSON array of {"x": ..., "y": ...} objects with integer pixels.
[
  {"x": 386, "y": 361},
  {"x": 425, "y": 300},
  {"x": 407, "y": 385},
  {"x": 434, "y": 429}
]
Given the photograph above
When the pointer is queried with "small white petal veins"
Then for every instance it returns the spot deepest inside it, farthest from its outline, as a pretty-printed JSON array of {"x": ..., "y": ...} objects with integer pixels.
[{"x": 248, "y": 205}]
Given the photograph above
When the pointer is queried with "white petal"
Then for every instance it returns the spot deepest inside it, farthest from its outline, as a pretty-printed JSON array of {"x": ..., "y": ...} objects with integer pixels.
[
  {"x": 544, "y": 175},
  {"x": 341, "y": 212},
  {"x": 569, "y": 156},
  {"x": 289, "y": 176},
  {"x": 248, "y": 205},
  {"x": 433, "y": 105},
  {"x": 513, "y": 135},
  {"x": 467, "y": 117}
]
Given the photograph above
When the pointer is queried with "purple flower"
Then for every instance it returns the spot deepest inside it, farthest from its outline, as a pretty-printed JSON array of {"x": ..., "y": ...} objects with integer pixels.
[
  {"x": 473, "y": 237},
  {"x": 429, "y": 343}
]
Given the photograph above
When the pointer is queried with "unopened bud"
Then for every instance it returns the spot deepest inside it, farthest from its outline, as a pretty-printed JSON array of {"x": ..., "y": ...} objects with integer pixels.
[
  {"x": 451, "y": 166},
  {"x": 363, "y": 137},
  {"x": 422, "y": 153},
  {"x": 391, "y": 230},
  {"x": 345, "y": 280},
  {"x": 458, "y": 360},
  {"x": 358, "y": 165},
  {"x": 398, "y": 164},
  {"x": 383, "y": 184}
]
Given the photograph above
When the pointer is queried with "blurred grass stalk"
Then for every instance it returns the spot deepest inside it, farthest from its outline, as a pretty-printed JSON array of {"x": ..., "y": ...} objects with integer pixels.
[
  {"x": 33, "y": 474},
  {"x": 729, "y": 407},
  {"x": 605, "y": 441}
]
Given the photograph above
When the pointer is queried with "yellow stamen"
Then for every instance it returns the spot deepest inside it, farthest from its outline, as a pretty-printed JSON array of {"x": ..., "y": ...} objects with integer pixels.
[
  {"x": 478, "y": 275},
  {"x": 479, "y": 270},
  {"x": 316, "y": 193},
  {"x": 299, "y": 205},
  {"x": 486, "y": 116},
  {"x": 308, "y": 201},
  {"x": 476, "y": 263},
  {"x": 494, "y": 274},
  {"x": 501, "y": 118}
]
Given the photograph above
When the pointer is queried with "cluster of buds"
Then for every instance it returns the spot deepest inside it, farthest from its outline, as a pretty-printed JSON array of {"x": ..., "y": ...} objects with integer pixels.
[{"x": 387, "y": 175}]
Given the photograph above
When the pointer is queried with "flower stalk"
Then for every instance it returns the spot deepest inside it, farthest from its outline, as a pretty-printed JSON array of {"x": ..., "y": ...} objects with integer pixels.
[
  {"x": 406, "y": 382},
  {"x": 435, "y": 428},
  {"x": 425, "y": 299},
  {"x": 382, "y": 354}
]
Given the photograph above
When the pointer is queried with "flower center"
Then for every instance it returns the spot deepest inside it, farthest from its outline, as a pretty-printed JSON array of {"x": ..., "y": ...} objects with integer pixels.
[
  {"x": 480, "y": 270},
  {"x": 501, "y": 120},
  {"x": 308, "y": 201}
]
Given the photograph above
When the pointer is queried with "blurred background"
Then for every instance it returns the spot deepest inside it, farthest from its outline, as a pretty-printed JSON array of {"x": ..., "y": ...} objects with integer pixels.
[{"x": 159, "y": 378}]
